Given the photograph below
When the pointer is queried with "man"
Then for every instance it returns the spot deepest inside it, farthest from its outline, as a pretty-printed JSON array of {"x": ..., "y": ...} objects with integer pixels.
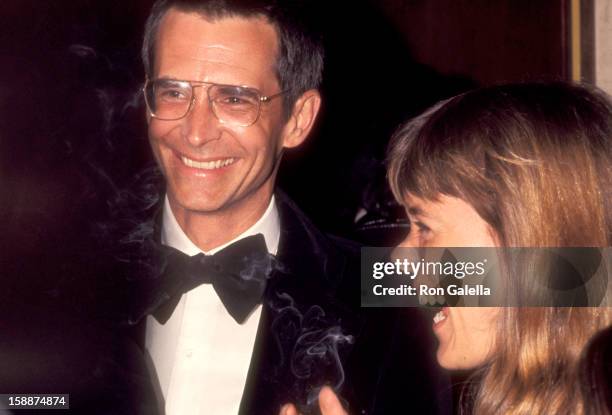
[{"x": 230, "y": 85}]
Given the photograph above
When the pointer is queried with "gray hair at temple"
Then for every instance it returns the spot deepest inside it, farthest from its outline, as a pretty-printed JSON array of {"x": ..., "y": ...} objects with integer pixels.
[{"x": 299, "y": 65}]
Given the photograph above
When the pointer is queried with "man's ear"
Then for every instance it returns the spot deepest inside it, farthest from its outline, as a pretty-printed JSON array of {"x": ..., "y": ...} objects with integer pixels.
[{"x": 302, "y": 118}]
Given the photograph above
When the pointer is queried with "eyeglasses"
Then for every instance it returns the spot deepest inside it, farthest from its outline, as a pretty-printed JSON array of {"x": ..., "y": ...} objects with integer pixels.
[{"x": 171, "y": 99}]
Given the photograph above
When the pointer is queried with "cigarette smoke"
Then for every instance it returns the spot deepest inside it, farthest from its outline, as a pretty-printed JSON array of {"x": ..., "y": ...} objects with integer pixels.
[{"x": 310, "y": 342}]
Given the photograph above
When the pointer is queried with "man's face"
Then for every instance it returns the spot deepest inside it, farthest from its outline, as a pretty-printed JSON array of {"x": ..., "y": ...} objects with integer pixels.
[{"x": 211, "y": 166}]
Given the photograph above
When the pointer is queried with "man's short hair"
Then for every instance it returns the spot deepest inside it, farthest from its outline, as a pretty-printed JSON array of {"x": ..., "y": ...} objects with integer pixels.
[{"x": 299, "y": 65}]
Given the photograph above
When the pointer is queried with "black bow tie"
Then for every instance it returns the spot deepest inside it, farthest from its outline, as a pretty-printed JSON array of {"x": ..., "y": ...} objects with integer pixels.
[{"x": 238, "y": 274}]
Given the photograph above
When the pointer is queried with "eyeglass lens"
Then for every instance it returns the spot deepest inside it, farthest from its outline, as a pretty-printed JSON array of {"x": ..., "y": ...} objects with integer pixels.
[{"x": 172, "y": 100}]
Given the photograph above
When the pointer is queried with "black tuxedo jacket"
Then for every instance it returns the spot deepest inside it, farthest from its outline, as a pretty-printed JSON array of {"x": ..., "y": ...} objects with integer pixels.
[
  {"x": 313, "y": 332},
  {"x": 46, "y": 347}
]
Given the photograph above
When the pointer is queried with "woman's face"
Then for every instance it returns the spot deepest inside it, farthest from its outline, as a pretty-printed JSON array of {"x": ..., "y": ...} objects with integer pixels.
[{"x": 465, "y": 334}]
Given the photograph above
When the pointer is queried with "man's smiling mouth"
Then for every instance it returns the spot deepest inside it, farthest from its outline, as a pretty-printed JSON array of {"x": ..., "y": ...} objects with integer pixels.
[{"x": 207, "y": 165}]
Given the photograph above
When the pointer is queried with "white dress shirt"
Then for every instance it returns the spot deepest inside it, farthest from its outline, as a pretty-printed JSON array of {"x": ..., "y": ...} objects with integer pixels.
[{"x": 201, "y": 356}]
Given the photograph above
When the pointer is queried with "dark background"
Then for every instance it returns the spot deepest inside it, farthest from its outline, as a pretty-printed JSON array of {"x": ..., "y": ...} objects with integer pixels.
[{"x": 72, "y": 124}]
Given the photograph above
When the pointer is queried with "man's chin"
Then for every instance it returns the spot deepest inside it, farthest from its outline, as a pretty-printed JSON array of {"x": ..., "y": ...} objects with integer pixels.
[
  {"x": 202, "y": 207},
  {"x": 194, "y": 205}
]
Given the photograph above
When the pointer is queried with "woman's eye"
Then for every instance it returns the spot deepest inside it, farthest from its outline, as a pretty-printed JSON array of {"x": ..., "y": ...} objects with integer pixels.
[
  {"x": 422, "y": 231},
  {"x": 422, "y": 227}
]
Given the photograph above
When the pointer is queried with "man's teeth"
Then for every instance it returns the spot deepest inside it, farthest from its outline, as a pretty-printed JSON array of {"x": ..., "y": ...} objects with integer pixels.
[
  {"x": 208, "y": 165},
  {"x": 440, "y": 316}
]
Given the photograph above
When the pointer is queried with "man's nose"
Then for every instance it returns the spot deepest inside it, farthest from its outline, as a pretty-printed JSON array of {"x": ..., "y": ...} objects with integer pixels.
[{"x": 201, "y": 125}]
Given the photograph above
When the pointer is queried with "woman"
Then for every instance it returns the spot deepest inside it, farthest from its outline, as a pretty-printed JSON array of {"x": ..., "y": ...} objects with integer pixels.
[{"x": 513, "y": 166}]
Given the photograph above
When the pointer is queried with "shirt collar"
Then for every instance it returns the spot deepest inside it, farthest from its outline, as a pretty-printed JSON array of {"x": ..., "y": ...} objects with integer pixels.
[{"x": 174, "y": 236}]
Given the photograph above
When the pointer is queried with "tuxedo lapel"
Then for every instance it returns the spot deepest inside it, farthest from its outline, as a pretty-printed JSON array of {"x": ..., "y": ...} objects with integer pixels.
[
  {"x": 304, "y": 330},
  {"x": 260, "y": 389}
]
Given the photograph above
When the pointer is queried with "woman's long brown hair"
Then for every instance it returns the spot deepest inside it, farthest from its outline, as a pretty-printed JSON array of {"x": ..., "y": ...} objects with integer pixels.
[{"x": 535, "y": 161}]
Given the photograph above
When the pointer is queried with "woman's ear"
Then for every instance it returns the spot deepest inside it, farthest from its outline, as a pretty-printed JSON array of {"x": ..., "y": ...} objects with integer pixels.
[{"x": 302, "y": 118}]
